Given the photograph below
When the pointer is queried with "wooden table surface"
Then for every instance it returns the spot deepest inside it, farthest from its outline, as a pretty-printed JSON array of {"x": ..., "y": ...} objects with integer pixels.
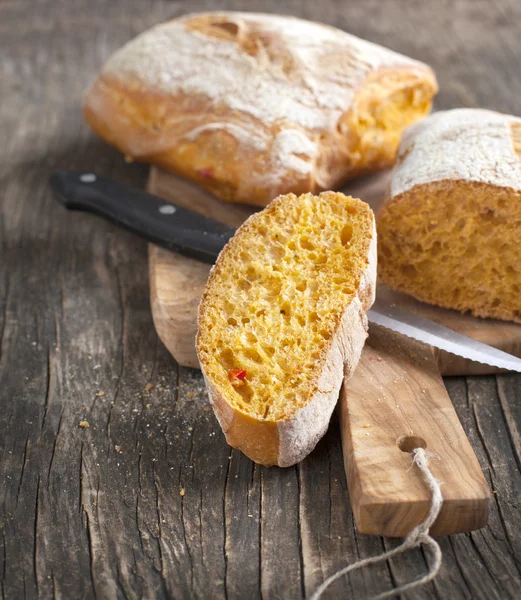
[{"x": 149, "y": 501}]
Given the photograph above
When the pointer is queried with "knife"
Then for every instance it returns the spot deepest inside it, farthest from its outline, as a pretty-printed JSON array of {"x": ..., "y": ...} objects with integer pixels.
[
  {"x": 151, "y": 217},
  {"x": 202, "y": 238}
]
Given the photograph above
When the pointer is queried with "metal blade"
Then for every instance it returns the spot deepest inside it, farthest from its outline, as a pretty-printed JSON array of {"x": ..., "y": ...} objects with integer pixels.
[{"x": 421, "y": 329}]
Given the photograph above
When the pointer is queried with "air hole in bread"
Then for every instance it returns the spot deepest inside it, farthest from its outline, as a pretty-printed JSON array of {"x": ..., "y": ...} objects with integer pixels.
[
  {"x": 285, "y": 309},
  {"x": 409, "y": 270},
  {"x": 346, "y": 234},
  {"x": 252, "y": 354},
  {"x": 213, "y": 26},
  {"x": 230, "y": 28},
  {"x": 227, "y": 358},
  {"x": 306, "y": 244},
  {"x": 245, "y": 392}
]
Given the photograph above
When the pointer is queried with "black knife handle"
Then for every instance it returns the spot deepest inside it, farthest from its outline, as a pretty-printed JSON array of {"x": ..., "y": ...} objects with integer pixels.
[{"x": 149, "y": 216}]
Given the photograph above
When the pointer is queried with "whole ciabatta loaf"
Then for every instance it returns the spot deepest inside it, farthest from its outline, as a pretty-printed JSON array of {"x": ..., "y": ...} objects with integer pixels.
[
  {"x": 253, "y": 105},
  {"x": 282, "y": 321},
  {"x": 450, "y": 231}
]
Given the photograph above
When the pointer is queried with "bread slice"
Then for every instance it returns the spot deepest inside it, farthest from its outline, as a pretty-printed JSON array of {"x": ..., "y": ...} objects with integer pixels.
[
  {"x": 450, "y": 229},
  {"x": 282, "y": 320},
  {"x": 251, "y": 106}
]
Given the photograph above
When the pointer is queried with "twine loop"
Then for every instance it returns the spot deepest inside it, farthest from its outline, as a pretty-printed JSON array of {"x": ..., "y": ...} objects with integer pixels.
[{"x": 418, "y": 536}]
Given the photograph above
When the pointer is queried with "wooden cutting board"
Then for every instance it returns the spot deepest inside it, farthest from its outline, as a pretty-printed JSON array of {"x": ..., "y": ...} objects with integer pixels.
[{"x": 395, "y": 400}]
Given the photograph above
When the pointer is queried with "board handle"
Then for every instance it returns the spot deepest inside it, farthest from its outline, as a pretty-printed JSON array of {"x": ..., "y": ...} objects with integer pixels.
[{"x": 396, "y": 401}]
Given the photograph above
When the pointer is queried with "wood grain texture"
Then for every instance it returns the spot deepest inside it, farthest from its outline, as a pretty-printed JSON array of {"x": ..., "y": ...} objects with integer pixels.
[
  {"x": 78, "y": 519},
  {"x": 397, "y": 396},
  {"x": 174, "y": 303}
]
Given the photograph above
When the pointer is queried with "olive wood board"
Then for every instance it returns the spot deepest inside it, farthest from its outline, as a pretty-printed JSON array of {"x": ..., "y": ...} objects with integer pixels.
[
  {"x": 395, "y": 401},
  {"x": 396, "y": 393}
]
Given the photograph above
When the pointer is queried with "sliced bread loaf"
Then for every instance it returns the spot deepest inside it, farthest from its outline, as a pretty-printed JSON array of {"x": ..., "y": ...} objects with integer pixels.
[
  {"x": 282, "y": 320},
  {"x": 449, "y": 231}
]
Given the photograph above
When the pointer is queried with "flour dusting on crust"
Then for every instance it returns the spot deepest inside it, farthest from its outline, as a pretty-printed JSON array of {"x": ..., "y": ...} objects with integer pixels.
[
  {"x": 469, "y": 144},
  {"x": 326, "y": 65},
  {"x": 273, "y": 71},
  {"x": 239, "y": 133}
]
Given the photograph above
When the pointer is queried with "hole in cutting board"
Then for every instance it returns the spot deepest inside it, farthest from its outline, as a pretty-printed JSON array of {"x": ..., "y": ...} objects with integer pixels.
[{"x": 407, "y": 443}]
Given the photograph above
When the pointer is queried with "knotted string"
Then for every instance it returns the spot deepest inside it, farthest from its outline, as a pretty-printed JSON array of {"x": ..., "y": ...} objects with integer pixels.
[{"x": 418, "y": 536}]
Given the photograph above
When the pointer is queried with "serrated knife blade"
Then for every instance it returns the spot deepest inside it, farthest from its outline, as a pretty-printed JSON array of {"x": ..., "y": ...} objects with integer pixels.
[{"x": 412, "y": 325}]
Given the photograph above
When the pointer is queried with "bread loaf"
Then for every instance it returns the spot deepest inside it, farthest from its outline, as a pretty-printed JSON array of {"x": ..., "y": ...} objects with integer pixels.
[
  {"x": 251, "y": 106},
  {"x": 450, "y": 229},
  {"x": 282, "y": 320}
]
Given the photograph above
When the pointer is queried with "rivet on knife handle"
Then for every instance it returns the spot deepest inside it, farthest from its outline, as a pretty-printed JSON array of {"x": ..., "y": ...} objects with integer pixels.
[{"x": 149, "y": 216}]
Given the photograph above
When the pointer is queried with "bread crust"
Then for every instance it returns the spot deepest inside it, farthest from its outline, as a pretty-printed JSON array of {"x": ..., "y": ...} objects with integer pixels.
[
  {"x": 251, "y": 106},
  {"x": 463, "y": 144},
  {"x": 474, "y": 152},
  {"x": 287, "y": 441}
]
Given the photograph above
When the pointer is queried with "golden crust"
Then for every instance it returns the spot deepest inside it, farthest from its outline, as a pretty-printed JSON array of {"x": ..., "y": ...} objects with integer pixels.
[
  {"x": 243, "y": 156},
  {"x": 127, "y": 117}
]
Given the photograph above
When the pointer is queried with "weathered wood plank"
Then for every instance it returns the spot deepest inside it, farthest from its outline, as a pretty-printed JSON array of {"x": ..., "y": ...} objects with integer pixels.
[{"x": 98, "y": 511}]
